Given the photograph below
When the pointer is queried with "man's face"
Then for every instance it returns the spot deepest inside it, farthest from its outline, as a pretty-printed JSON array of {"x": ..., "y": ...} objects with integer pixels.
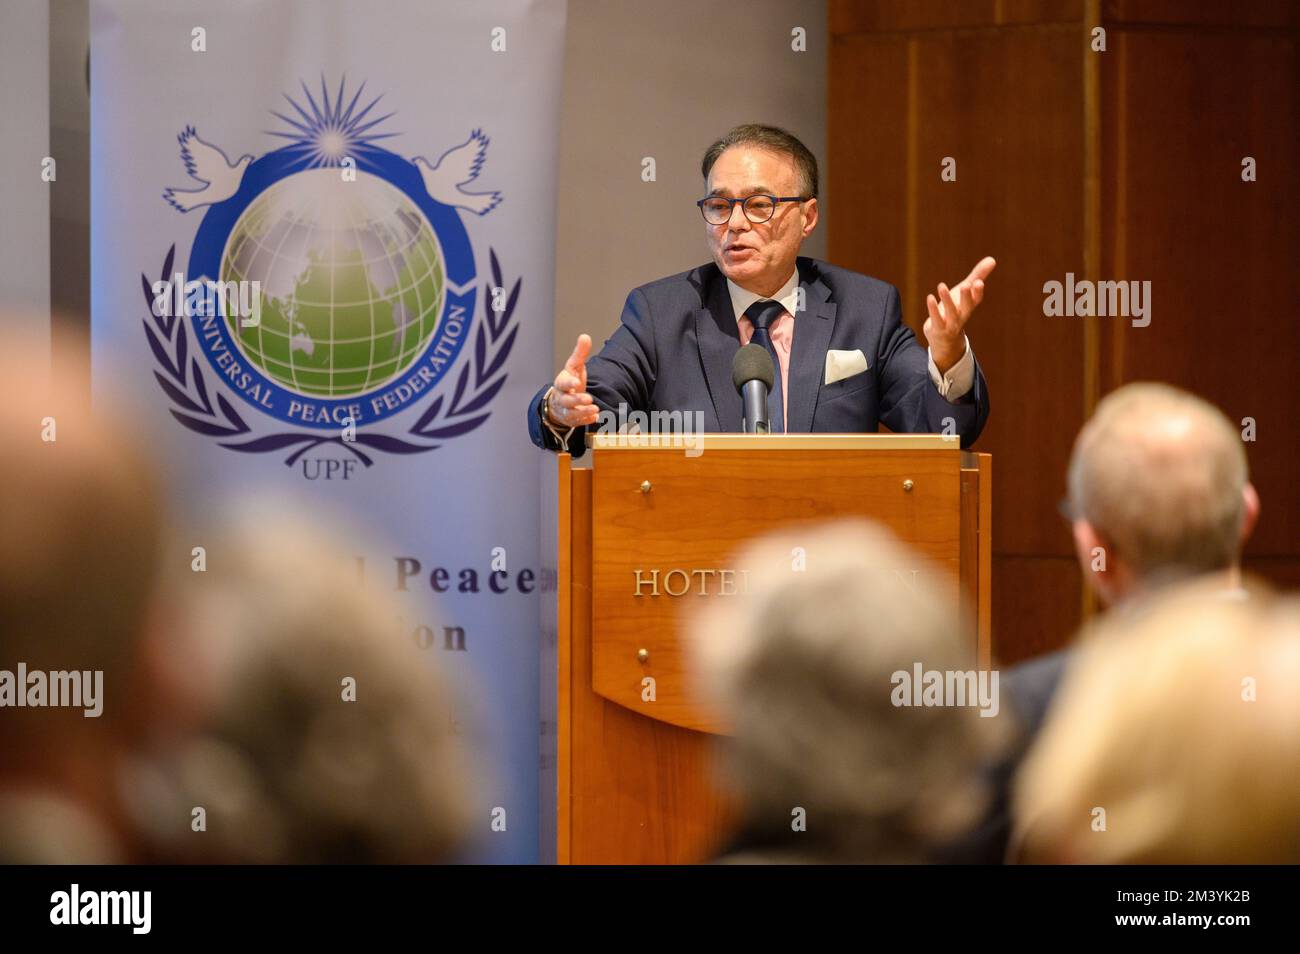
[{"x": 758, "y": 257}]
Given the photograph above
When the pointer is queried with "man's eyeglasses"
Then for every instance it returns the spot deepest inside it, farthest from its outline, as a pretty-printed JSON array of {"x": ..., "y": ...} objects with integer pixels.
[{"x": 758, "y": 208}]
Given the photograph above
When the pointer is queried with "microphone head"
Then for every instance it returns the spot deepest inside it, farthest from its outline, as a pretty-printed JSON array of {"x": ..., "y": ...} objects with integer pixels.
[{"x": 752, "y": 362}]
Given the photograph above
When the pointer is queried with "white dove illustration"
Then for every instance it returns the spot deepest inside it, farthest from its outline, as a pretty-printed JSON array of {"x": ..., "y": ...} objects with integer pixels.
[
  {"x": 207, "y": 164},
  {"x": 456, "y": 167}
]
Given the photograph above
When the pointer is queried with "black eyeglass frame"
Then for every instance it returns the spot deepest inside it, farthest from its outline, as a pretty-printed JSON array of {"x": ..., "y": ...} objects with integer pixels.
[{"x": 731, "y": 205}]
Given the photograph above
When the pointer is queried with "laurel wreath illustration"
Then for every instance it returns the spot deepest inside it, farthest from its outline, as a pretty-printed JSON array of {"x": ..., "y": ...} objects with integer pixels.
[{"x": 479, "y": 381}]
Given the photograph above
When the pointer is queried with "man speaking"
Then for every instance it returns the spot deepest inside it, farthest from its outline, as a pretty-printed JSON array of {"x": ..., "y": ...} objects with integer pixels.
[{"x": 842, "y": 359}]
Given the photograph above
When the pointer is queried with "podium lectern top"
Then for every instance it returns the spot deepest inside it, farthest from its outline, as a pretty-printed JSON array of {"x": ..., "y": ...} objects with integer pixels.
[{"x": 775, "y": 442}]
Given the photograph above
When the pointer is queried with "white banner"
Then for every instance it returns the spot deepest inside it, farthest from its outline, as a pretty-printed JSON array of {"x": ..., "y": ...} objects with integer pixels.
[{"x": 322, "y": 267}]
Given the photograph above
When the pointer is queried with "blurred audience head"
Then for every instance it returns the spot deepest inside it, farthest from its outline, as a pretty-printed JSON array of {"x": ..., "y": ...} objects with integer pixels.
[
  {"x": 79, "y": 556},
  {"x": 1159, "y": 491},
  {"x": 807, "y": 667},
  {"x": 1175, "y": 739},
  {"x": 326, "y": 735}
]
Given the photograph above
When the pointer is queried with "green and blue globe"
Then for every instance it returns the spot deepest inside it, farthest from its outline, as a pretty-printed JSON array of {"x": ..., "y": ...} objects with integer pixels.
[{"x": 352, "y": 282}]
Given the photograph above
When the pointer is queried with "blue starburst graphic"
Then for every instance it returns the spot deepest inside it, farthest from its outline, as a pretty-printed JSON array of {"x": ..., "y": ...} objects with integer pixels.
[{"x": 327, "y": 133}]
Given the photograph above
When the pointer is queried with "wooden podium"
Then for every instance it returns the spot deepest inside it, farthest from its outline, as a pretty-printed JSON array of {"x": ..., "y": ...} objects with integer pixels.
[{"x": 643, "y": 534}]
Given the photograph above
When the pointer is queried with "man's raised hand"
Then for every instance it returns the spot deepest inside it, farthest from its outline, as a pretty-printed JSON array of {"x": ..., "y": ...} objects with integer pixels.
[
  {"x": 569, "y": 404},
  {"x": 945, "y": 328}
]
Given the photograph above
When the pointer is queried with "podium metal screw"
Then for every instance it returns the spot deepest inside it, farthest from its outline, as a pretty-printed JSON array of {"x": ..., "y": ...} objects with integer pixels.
[
  {"x": 642, "y": 655},
  {"x": 645, "y": 486},
  {"x": 907, "y": 486}
]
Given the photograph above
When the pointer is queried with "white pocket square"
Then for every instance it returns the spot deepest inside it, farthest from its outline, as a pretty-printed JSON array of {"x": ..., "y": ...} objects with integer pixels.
[{"x": 844, "y": 364}]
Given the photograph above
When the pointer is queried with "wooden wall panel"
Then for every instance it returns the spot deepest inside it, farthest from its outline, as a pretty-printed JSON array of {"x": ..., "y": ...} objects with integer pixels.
[
  {"x": 1037, "y": 605},
  {"x": 1117, "y": 165},
  {"x": 1280, "y": 572},
  {"x": 1231, "y": 14},
  {"x": 897, "y": 220},
  {"x": 867, "y": 155},
  {"x": 1218, "y": 251},
  {"x": 886, "y": 16}
]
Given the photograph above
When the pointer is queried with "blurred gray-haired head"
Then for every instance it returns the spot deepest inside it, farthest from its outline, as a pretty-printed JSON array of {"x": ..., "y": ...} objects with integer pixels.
[
  {"x": 328, "y": 736},
  {"x": 804, "y": 666}
]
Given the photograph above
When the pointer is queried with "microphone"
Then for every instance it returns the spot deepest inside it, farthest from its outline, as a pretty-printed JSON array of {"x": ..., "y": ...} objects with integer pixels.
[{"x": 753, "y": 373}]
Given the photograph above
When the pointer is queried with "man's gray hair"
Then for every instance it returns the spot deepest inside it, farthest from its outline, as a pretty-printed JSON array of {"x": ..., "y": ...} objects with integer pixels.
[
  {"x": 802, "y": 668},
  {"x": 774, "y": 140},
  {"x": 290, "y": 769},
  {"x": 1159, "y": 473}
]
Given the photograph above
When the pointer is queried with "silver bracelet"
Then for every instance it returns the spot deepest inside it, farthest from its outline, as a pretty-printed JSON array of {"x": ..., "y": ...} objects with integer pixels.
[{"x": 562, "y": 439}]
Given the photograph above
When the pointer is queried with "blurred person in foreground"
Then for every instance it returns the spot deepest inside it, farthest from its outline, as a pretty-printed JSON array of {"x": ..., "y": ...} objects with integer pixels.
[
  {"x": 1159, "y": 494},
  {"x": 1176, "y": 740},
  {"x": 79, "y": 558},
  {"x": 325, "y": 736},
  {"x": 806, "y": 667}
]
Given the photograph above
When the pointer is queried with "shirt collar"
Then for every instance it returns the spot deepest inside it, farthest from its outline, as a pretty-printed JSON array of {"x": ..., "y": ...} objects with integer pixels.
[{"x": 787, "y": 295}]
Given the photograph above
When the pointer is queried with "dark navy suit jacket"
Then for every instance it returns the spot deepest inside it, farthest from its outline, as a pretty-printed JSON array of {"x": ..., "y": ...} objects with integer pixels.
[{"x": 674, "y": 348}]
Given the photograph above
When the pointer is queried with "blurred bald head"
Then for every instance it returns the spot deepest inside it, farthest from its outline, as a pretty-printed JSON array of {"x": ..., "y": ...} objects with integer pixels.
[{"x": 1158, "y": 479}]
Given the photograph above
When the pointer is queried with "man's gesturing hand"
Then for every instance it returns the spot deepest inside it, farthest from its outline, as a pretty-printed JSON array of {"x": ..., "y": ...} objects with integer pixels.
[
  {"x": 944, "y": 329},
  {"x": 569, "y": 404}
]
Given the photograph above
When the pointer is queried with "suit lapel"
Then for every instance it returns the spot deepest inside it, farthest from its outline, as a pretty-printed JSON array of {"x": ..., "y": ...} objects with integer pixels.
[
  {"x": 812, "y": 336},
  {"x": 718, "y": 338}
]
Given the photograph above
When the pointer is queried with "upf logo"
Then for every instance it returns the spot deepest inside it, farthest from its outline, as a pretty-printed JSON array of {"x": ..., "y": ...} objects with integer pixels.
[{"x": 363, "y": 286}]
